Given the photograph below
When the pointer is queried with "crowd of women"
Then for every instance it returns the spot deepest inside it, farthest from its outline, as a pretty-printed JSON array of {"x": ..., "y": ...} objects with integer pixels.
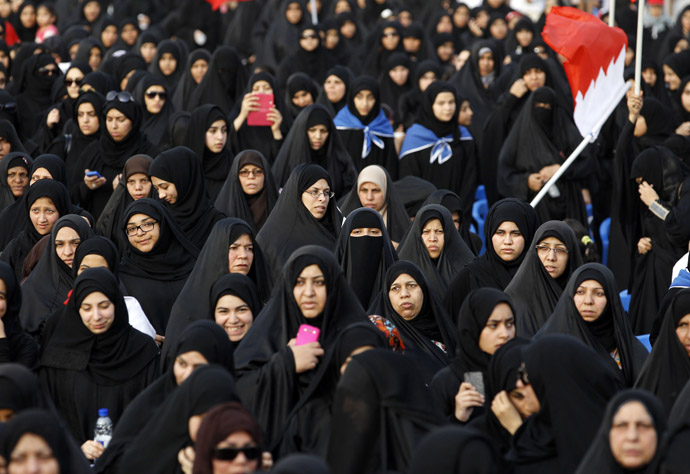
[{"x": 248, "y": 234}]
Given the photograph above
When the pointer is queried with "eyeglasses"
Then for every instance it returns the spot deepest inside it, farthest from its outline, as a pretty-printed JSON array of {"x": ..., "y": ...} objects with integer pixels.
[
  {"x": 522, "y": 374},
  {"x": 310, "y": 36},
  {"x": 229, "y": 454},
  {"x": 152, "y": 94},
  {"x": 558, "y": 251},
  {"x": 44, "y": 71},
  {"x": 316, "y": 194},
  {"x": 121, "y": 96},
  {"x": 247, "y": 173},
  {"x": 73, "y": 82},
  {"x": 145, "y": 227}
]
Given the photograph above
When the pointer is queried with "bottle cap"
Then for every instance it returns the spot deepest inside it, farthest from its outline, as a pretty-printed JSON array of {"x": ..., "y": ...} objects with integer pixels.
[{"x": 103, "y": 412}]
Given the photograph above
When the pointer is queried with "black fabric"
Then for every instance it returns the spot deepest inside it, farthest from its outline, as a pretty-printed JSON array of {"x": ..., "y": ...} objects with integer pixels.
[
  {"x": 193, "y": 301},
  {"x": 155, "y": 126},
  {"x": 312, "y": 63},
  {"x": 54, "y": 165},
  {"x": 410, "y": 102},
  {"x": 75, "y": 166},
  {"x": 298, "y": 82},
  {"x": 573, "y": 386},
  {"x": 46, "y": 289},
  {"x": 453, "y": 203},
  {"x": 454, "y": 255},
  {"x": 365, "y": 259},
  {"x": 610, "y": 331},
  {"x": 223, "y": 83},
  {"x": 34, "y": 90},
  {"x": 291, "y": 220},
  {"x": 332, "y": 156},
  {"x": 16, "y": 346},
  {"x": 268, "y": 384},
  {"x": 668, "y": 367},
  {"x": 345, "y": 75},
  {"x": 181, "y": 99},
  {"x": 414, "y": 191},
  {"x": 168, "y": 46},
  {"x": 599, "y": 457},
  {"x": 193, "y": 211},
  {"x": 254, "y": 209},
  {"x": 533, "y": 291},
  {"x": 168, "y": 433},
  {"x": 391, "y": 92},
  {"x": 11, "y": 160},
  {"x": 97, "y": 246}
]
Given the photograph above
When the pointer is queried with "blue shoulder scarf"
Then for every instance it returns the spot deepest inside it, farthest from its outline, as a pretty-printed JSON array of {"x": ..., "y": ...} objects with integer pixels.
[
  {"x": 379, "y": 127},
  {"x": 419, "y": 137}
]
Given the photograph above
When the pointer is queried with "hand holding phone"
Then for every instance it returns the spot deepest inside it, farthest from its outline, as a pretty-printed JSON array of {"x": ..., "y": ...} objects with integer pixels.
[
  {"x": 93, "y": 179},
  {"x": 307, "y": 334},
  {"x": 91, "y": 174},
  {"x": 259, "y": 118}
]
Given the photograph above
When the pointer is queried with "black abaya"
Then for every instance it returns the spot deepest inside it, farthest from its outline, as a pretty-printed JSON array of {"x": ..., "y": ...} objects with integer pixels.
[{"x": 16, "y": 346}]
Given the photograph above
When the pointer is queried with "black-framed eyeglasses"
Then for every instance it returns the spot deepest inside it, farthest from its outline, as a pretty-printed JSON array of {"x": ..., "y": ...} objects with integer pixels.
[
  {"x": 45, "y": 71},
  {"x": 121, "y": 96},
  {"x": 316, "y": 194},
  {"x": 522, "y": 374},
  {"x": 229, "y": 454},
  {"x": 145, "y": 227},
  {"x": 558, "y": 251},
  {"x": 151, "y": 94},
  {"x": 246, "y": 173},
  {"x": 73, "y": 82}
]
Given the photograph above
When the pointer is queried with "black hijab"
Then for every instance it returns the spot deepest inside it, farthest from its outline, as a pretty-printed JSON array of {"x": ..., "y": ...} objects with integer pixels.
[
  {"x": 52, "y": 163},
  {"x": 75, "y": 169},
  {"x": 193, "y": 211},
  {"x": 11, "y": 160},
  {"x": 454, "y": 255},
  {"x": 22, "y": 348},
  {"x": 155, "y": 126},
  {"x": 533, "y": 291},
  {"x": 391, "y": 92},
  {"x": 25, "y": 34},
  {"x": 344, "y": 74},
  {"x": 609, "y": 331},
  {"x": 115, "y": 153},
  {"x": 9, "y": 133},
  {"x": 453, "y": 203},
  {"x": 238, "y": 285},
  {"x": 292, "y": 220},
  {"x": 223, "y": 83},
  {"x": 297, "y": 82},
  {"x": 168, "y": 46},
  {"x": 181, "y": 99},
  {"x": 234, "y": 202}
]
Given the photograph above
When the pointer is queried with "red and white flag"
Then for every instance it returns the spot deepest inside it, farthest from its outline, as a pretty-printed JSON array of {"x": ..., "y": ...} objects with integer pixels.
[{"x": 594, "y": 61}]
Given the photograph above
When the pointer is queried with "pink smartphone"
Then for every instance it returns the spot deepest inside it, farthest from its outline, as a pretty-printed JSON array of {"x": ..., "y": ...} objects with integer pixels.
[
  {"x": 259, "y": 118},
  {"x": 307, "y": 334}
]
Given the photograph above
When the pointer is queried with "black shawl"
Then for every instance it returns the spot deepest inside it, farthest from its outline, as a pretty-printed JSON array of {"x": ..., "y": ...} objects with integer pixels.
[
  {"x": 193, "y": 211},
  {"x": 16, "y": 346},
  {"x": 168, "y": 46},
  {"x": 391, "y": 92},
  {"x": 314, "y": 64},
  {"x": 223, "y": 83},
  {"x": 533, "y": 291},
  {"x": 255, "y": 208},
  {"x": 612, "y": 328},
  {"x": 455, "y": 253},
  {"x": 53, "y": 164},
  {"x": 291, "y": 225},
  {"x": 34, "y": 90},
  {"x": 193, "y": 301},
  {"x": 411, "y": 101},
  {"x": 181, "y": 99}
]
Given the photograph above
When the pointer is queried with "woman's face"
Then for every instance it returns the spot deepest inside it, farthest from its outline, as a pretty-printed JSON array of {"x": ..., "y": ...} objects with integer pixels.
[
  {"x": 445, "y": 51},
  {"x": 167, "y": 191},
  {"x": 109, "y": 36},
  {"x": 91, "y": 11},
  {"x": 3, "y": 298},
  {"x": 43, "y": 215},
  {"x": 553, "y": 255},
  {"x": 685, "y": 97},
  {"x": 371, "y": 196},
  {"x": 233, "y": 315},
  {"x": 39, "y": 174},
  {"x": 390, "y": 38},
  {"x": 186, "y": 363},
  {"x": 217, "y": 136},
  {"x": 198, "y": 70},
  {"x": 671, "y": 78},
  {"x": 118, "y": 124},
  {"x": 241, "y": 464},
  {"x": 167, "y": 64},
  {"x": 129, "y": 34},
  {"x": 499, "y": 329},
  {"x": 154, "y": 99},
  {"x": 143, "y": 232},
  {"x": 302, "y": 99},
  {"x": 97, "y": 312},
  {"x": 318, "y": 136},
  {"x": 364, "y": 101},
  {"x": 461, "y": 17},
  {"x": 28, "y": 17},
  {"x": 444, "y": 25},
  {"x": 444, "y": 106},
  {"x": 95, "y": 58},
  {"x": 499, "y": 29},
  {"x": 92, "y": 260},
  {"x": 251, "y": 179},
  {"x": 262, "y": 87},
  {"x": 310, "y": 291},
  {"x": 32, "y": 455},
  {"x": 649, "y": 76},
  {"x": 138, "y": 186},
  {"x": 316, "y": 198},
  {"x": 293, "y": 13},
  {"x": 486, "y": 64},
  {"x": 73, "y": 80},
  {"x": 87, "y": 119},
  {"x": 5, "y": 146},
  {"x": 18, "y": 179},
  {"x": 432, "y": 236},
  {"x": 366, "y": 232},
  {"x": 241, "y": 255},
  {"x": 426, "y": 80},
  {"x": 406, "y": 296},
  {"x": 66, "y": 242},
  {"x": 309, "y": 40},
  {"x": 524, "y": 37},
  {"x": 683, "y": 332},
  {"x": 632, "y": 437},
  {"x": 399, "y": 75},
  {"x": 508, "y": 241},
  {"x": 148, "y": 52},
  {"x": 590, "y": 300}
]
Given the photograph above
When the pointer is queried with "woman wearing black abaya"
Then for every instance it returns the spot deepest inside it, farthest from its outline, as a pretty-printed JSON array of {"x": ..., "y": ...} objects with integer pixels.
[
  {"x": 335, "y": 88},
  {"x": 573, "y": 386},
  {"x": 234, "y": 305},
  {"x": 46, "y": 289},
  {"x": 437, "y": 149},
  {"x": 485, "y": 323},
  {"x": 629, "y": 438},
  {"x": 375, "y": 190},
  {"x": 207, "y": 136},
  {"x": 168, "y": 64},
  {"x": 410, "y": 102},
  {"x": 155, "y": 96},
  {"x": 395, "y": 81},
  {"x": 274, "y": 372},
  {"x": 310, "y": 58},
  {"x": 436, "y": 246},
  {"x": 94, "y": 358},
  {"x": 305, "y": 214},
  {"x": 379, "y": 46},
  {"x": 193, "y": 75},
  {"x": 33, "y": 89},
  {"x": 120, "y": 139},
  {"x": 301, "y": 91},
  {"x": 48, "y": 166},
  {"x": 9, "y": 134},
  {"x": 158, "y": 259},
  {"x": 365, "y": 253},
  {"x": 14, "y": 177},
  {"x": 590, "y": 310},
  {"x": 15, "y": 344},
  {"x": 282, "y": 37},
  {"x": 365, "y": 129},
  {"x": 178, "y": 177},
  {"x": 222, "y": 84},
  {"x": 249, "y": 192},
  {"x": 202, "y": 343},
  {"x": 231, "y": 248},
  {"x": 313, "y": 138},
  {"x": 550, "y": 259},
  {"x": 674, "y": 450},
  {"x": 667, "y": 369}
]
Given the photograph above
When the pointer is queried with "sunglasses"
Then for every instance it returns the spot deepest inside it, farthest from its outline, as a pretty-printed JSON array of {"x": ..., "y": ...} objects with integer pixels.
[
  {"x": 47, "y": 72},
  {"x": 122, "y": 96},
  {"x": 310, "y": 36},
  {"x": 152, "y": 94},
  {"x": 73, "y": 82},
  {"x": 229, "y": 454}
]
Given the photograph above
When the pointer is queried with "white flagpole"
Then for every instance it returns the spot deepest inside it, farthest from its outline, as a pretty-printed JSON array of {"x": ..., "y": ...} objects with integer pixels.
[
  {"x": 591, "y": 136},
  {"x": 314, "y": 15},
  {"x": 638, "y": 46},
  {"x": 612, "y": 13}
]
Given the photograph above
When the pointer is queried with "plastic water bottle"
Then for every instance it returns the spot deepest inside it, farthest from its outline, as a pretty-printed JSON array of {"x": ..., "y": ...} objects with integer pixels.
[{"x": 103, "y": 432}]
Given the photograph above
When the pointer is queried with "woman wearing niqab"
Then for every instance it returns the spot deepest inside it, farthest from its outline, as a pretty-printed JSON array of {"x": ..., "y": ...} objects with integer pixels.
[
  {"x": 610, "y": 334},
  {"x": 34, "y": 89}
]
